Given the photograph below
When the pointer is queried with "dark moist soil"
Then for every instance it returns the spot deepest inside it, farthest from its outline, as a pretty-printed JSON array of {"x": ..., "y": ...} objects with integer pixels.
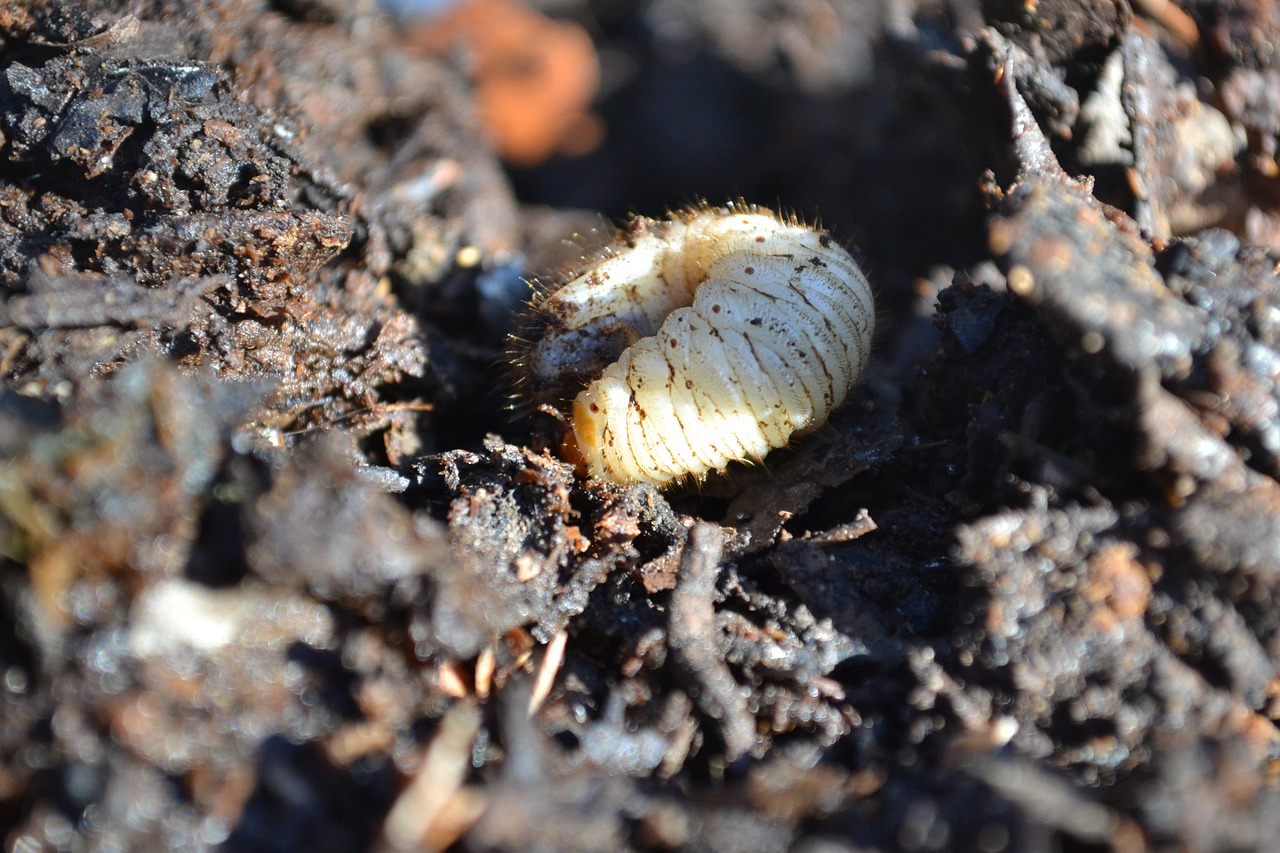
[{"x": 283, "y": 571}]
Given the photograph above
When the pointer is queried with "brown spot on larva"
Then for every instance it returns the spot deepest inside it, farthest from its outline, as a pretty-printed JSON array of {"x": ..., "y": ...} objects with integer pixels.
[
  {"x": 715, "y": 309},
  {"x": 749, "y": 270},
  {"x": 759, "y": 238},
  {"x": 756, "y": 321},
  {"x": 688, "y": 383},
  {"x": 595, "y": 408},
  {"x": 673, "y": 343}
]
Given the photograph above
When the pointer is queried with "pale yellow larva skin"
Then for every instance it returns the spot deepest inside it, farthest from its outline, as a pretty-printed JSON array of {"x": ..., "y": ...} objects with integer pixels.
[{"x": 715, "y": 338}]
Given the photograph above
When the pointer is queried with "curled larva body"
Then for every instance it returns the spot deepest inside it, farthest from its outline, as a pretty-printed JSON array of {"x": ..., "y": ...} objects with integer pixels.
[{"x": 708, "y": 339}]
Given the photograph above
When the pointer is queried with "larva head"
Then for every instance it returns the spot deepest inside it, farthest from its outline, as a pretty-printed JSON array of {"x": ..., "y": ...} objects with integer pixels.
[
  {"x": 711, "y": 338},
  {"x": 588, "y": 434}
]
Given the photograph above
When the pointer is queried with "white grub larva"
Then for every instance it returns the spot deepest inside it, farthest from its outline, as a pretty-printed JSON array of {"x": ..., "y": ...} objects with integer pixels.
[{"x": 710, "y": 338}]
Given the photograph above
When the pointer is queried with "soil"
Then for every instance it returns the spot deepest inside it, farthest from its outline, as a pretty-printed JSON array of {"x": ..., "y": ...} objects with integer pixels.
[{"x": 282, "y": 568}]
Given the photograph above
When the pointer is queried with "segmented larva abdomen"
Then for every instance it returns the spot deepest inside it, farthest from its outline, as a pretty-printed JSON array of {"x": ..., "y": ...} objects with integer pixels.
[{"x": 709, "y": 339}]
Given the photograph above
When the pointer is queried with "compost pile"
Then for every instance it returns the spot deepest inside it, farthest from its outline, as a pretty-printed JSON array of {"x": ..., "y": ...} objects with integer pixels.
[{"x": 282, "y": 570}]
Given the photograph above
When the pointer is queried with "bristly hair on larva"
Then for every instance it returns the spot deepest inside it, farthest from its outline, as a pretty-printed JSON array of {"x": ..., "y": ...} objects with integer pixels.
[{"x": 711, "y": 337}]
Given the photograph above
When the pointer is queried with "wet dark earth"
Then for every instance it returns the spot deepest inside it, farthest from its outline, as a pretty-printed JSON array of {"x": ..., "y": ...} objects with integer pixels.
[{"x": 283, "y": 568}]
